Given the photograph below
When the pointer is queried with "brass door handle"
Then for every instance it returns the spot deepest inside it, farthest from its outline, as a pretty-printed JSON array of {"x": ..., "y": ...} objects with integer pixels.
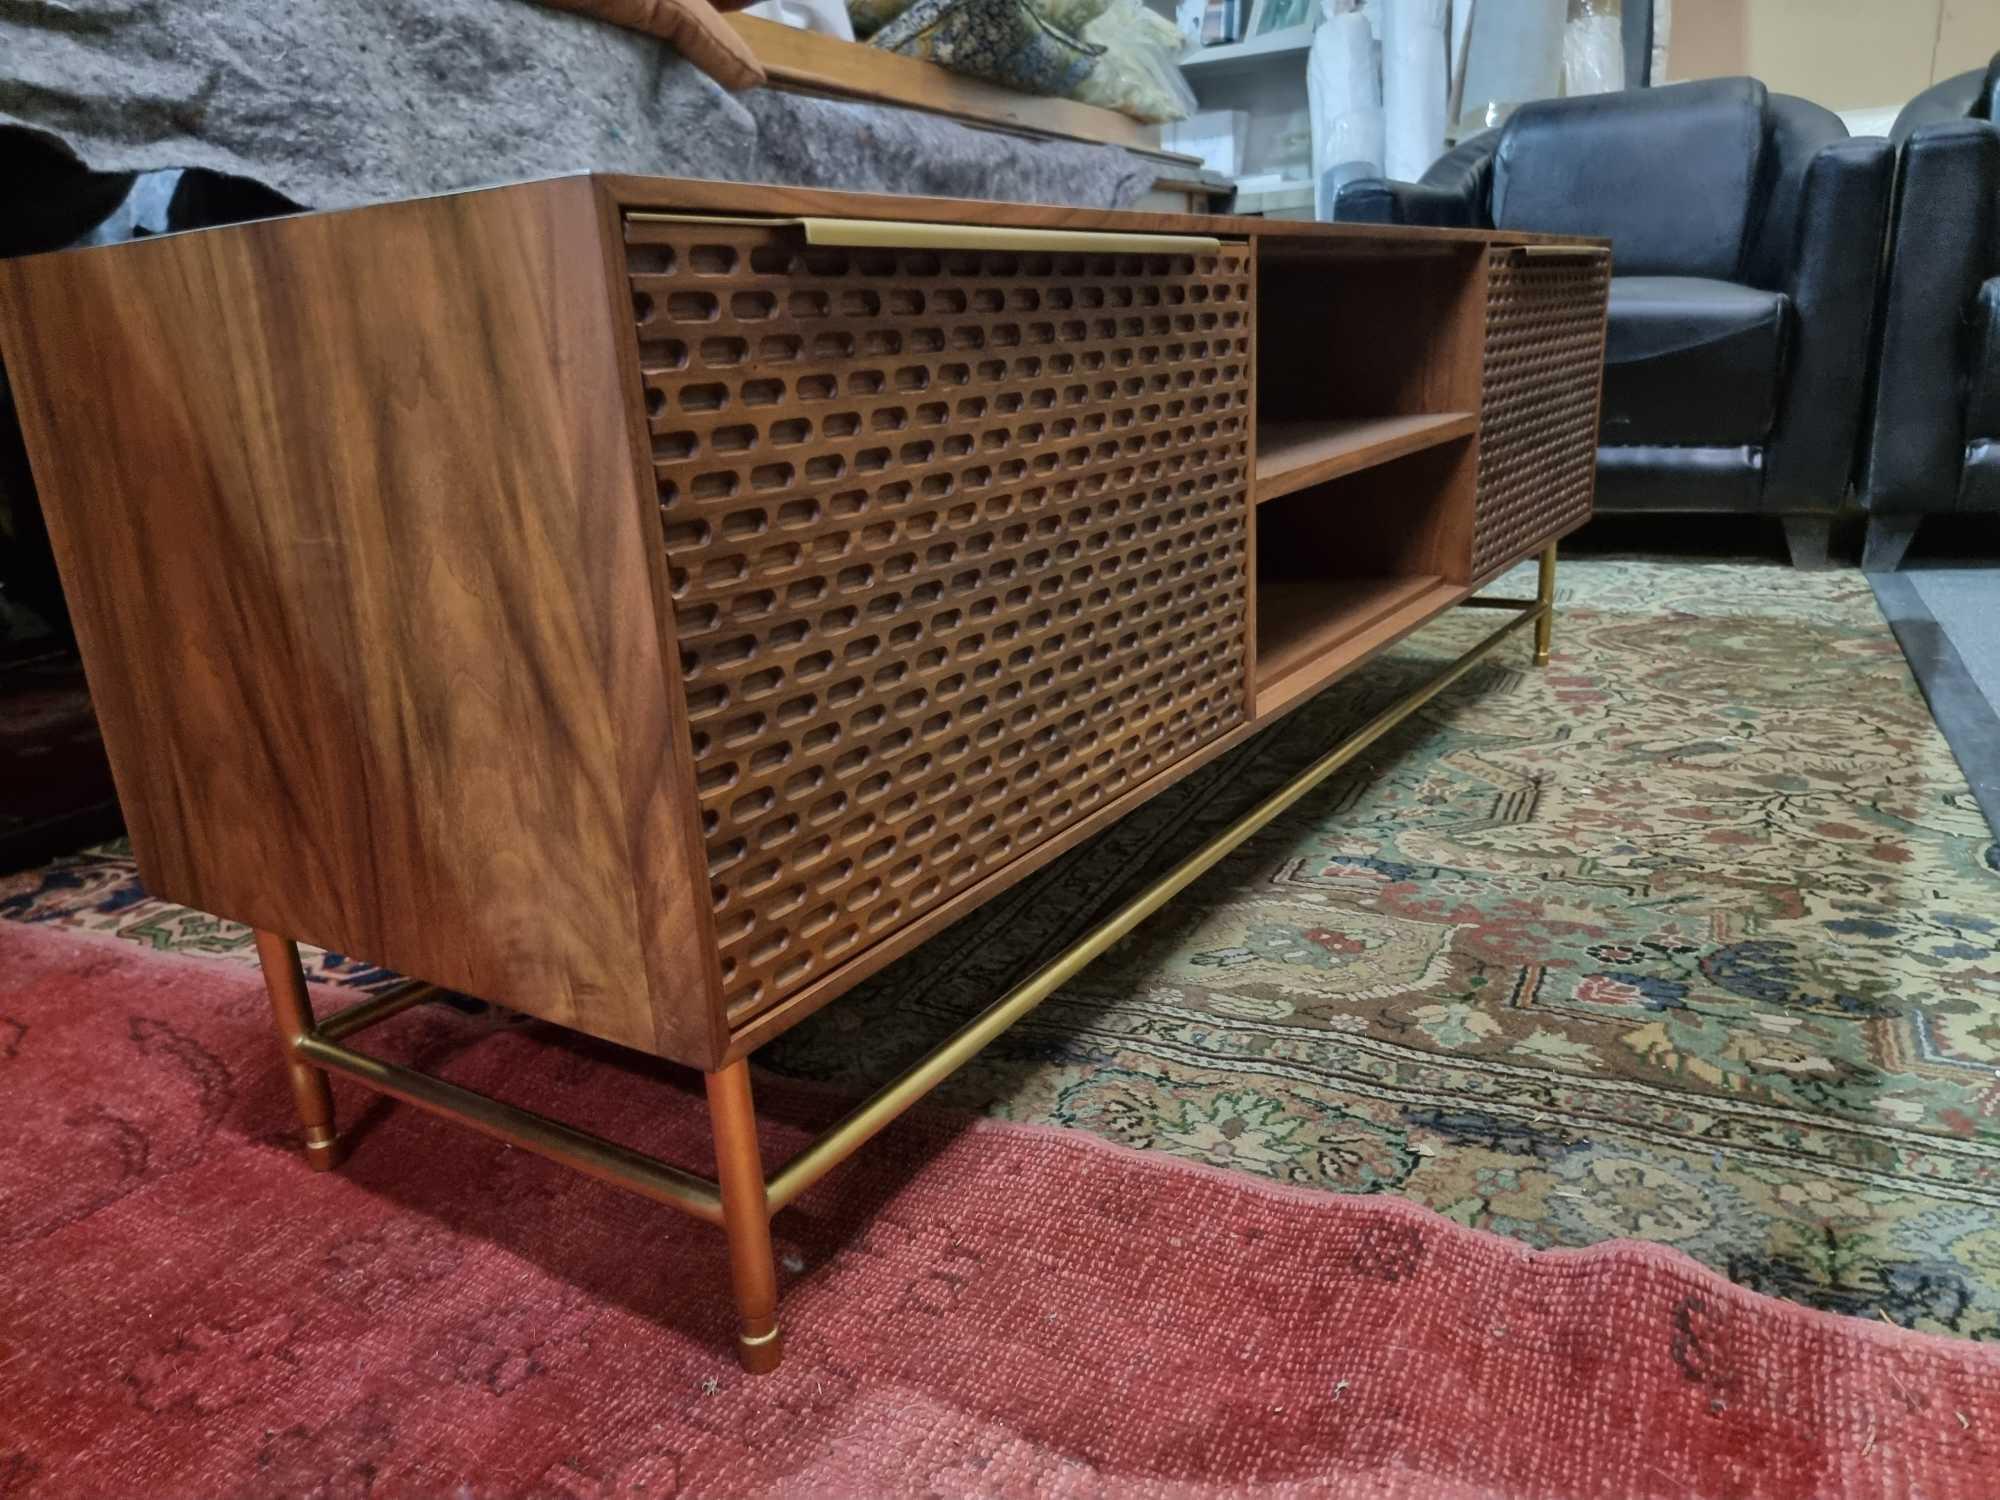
[
  {"x": 905, "y": 234},
  {"x": 1559, "y": 252}
]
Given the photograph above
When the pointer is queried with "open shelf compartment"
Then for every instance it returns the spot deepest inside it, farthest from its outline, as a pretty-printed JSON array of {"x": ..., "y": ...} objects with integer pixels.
[
  {"x": 1363, "y": 358},
  {"x": 1347, "y": 567}
]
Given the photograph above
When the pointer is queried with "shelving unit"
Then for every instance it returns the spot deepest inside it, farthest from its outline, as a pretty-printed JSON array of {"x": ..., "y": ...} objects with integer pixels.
[
  {"x": 1365, "y": 456},
  {"x": 1298, "y": 454},
  {"x": 1250, "y": 55},
  {"x": 805, "y": 662},
  {"x": 1263, "y": 77}
]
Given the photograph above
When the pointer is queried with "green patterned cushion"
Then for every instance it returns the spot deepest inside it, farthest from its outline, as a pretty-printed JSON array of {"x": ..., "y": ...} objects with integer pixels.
[
  {"x": 870, "y": 16},
  {"x": 1002, "y": 41}
]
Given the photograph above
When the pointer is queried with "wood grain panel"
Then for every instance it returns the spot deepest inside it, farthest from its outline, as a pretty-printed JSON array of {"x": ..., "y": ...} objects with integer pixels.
[{"x": 347, "y": 511}]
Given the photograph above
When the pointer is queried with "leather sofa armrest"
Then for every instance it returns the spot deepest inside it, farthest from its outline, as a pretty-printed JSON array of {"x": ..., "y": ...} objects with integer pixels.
[
  {"x": 1377, "y": 200},
  {"x": 1831, "y": 279},
  {"x": 1455, "y": 193},
  {"x": 1982, "y": 370},
  {"x": 1941, "y": 251}
]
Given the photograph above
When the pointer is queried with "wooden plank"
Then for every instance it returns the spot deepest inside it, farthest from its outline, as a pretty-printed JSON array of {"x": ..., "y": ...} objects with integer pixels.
[
  {"x": 348, "y": 517},
  {"x": 807, "y": 60},
  {"x": 1297, "y": 454},
  {"x": 1301, "y": 620},
  {"x": 1316, "y": 643}
]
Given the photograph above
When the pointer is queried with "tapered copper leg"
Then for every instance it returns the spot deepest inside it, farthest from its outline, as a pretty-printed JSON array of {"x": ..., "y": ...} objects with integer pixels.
[
  {"x": 746, "y": 1217},
  {"x": 292, "y": 1008},
  {"x": 1545, "y": 595}
]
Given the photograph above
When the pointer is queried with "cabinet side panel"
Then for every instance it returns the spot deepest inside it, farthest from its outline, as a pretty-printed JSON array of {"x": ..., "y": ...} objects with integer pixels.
[
  {"x": 1542, "y": 382},
  {"x": 347, "y": 514}
]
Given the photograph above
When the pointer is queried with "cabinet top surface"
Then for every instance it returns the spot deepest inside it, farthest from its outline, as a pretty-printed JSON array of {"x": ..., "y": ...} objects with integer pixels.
[
  {"x": 668, "y": 194},
  {"x": 701, "y": 196}
]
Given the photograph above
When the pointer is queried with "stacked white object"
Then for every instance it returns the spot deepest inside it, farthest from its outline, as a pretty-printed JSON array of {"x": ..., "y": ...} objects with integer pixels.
[
  {"x": 1593, "y": 48},
  {"x": 1415, "y": 87},
  {"x": 1346, "y": 104},
  {"x": 828, "y": 17},
  {"x": 1514, "y": 54},
  {"x": 1217, "y": 136}
]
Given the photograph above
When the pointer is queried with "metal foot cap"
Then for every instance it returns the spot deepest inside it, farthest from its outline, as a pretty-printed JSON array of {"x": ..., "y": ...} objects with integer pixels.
[
  {"x": 759, "y": 1353},
  {"x": 322, "y": 1149}
]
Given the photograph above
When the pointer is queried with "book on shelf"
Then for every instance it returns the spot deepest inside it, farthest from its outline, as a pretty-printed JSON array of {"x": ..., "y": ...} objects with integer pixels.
[{"x": 1225, "y": 21}]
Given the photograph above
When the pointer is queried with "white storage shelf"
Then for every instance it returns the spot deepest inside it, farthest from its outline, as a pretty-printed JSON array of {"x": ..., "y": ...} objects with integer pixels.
[
  {"x": 1265, "y": 78},
  {"x": 1248, "y": 56}
]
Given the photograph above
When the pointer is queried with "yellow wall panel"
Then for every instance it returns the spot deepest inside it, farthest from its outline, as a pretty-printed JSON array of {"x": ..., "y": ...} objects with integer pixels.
[
  {"x": 1968, "y": 36},
  {"x": 1845, "y": 54}
]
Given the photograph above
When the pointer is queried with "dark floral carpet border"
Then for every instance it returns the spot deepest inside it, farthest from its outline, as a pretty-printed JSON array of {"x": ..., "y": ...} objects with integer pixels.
[{"x": 1693, "y": 938}]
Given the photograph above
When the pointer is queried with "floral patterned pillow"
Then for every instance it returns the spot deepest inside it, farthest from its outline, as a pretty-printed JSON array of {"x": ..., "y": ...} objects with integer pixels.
[{"x": 1003, "y": 41}]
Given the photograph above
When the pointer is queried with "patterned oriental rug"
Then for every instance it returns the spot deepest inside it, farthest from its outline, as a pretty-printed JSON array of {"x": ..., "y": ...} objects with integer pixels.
[
  {"x": 972, "y": 1308},
  {"x": 1692, "y": 939}
]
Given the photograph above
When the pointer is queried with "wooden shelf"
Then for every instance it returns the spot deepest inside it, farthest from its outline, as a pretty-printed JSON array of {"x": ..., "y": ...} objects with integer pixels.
[
  {"x": 1256, "y": 52},
  {"x": 1310, "y": 631},
  {"x": 1297, "y": 455}
]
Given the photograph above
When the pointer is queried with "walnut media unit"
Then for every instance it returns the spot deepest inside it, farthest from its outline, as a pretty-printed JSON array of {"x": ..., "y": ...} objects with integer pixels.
[{"x": 654, "y": 606}]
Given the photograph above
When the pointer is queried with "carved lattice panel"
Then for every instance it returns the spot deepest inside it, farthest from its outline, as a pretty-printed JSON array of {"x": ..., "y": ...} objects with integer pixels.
[
  {"x": 1539, "y": 399},
  {"x": 957, "y": 548}
]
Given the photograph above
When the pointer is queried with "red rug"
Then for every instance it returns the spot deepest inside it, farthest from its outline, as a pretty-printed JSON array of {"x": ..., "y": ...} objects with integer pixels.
[{"x": 970, "y": 1309}]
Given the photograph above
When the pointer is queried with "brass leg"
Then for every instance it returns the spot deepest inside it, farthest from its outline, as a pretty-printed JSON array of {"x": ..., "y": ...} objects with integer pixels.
[
  {"x": 292, "y": 1008},
  {"x": 746, "y": 1217},
  {"x": 1545, "y": 595}
]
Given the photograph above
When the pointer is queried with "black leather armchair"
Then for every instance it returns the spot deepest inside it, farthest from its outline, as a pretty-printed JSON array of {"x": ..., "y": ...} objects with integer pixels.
[
  {"x": 1932, "y": 444},
  {"x": 1746, "y": 234}
]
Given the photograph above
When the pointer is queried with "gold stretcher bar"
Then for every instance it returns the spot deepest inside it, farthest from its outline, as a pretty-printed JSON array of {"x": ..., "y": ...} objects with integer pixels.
[{"x": 322, "y": 1045}]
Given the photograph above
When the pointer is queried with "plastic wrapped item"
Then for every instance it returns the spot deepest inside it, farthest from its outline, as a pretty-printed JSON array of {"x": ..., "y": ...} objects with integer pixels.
[
  {"x": 1345, "y": 98},
  {"x": 1414, "y": 86},
  {"x": 1217, "y": 136},
  {"x": 1188, "y": 16},
  {"x": 1514, "y": 53},
  {"x": 1072, "y": 15},
  {"x": 1593, "y": 48},
  {"x": 827, "y": 17},
  {"x": 1139, "y": 71}
]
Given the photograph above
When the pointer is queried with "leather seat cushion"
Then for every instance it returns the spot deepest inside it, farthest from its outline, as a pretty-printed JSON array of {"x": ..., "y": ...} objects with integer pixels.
[{"x": 1691, "y": 361}]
